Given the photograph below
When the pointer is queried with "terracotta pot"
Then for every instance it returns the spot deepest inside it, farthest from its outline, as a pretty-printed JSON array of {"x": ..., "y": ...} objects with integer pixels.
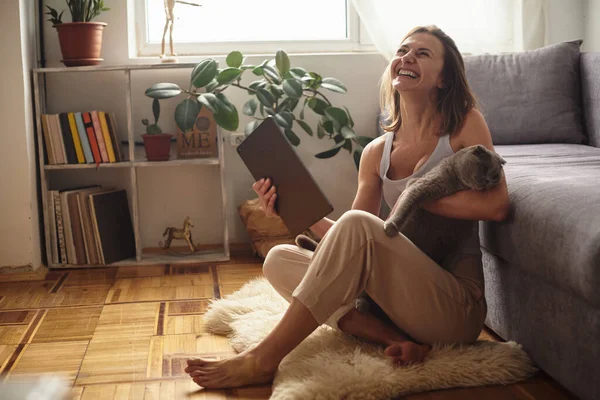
[
  {"x": 158, "y": 146},
  {"x": 80, "y": 42}
]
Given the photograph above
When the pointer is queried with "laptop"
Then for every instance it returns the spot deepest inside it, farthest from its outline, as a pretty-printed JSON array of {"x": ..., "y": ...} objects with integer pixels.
[{"x": 300, "y": 201}]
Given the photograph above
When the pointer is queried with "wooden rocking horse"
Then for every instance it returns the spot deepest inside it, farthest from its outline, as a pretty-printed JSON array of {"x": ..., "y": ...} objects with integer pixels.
[{"x": 179, "y": 234}]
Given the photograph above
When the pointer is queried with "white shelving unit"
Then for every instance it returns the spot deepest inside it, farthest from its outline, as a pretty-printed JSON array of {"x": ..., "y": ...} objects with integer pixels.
[{"x": 133, "y": 165}]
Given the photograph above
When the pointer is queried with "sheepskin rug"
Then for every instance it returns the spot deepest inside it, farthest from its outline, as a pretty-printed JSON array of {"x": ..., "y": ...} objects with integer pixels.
[{"x": 332, "y": 365}]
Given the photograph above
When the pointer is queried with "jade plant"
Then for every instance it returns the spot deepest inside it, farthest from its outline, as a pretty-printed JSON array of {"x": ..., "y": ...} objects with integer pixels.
[
  {"x": 153, "y": 129},
  {"x": 81, "y": 11},
  {"x": 280, "y": 91}
]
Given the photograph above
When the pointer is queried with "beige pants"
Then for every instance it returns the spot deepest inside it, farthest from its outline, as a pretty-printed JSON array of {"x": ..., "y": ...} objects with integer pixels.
[{"x": 422, "y": 299}]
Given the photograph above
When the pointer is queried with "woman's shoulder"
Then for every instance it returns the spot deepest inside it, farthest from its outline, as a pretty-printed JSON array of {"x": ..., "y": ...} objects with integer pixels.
[
  {"x": 474, "y": 130},
  {"x": 372, "y": 153}
]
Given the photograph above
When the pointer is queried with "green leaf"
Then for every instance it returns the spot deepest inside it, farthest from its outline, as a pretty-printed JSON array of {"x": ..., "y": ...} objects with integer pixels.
[
  {"x": 245, "y": 67},
  {"x": 224, "y": 102},
  {"x": 282, "y": 61},
  {"x": 204, "y": 72},
  {"x": 210, "y": 101},
  {"x": 334, "y": 85},
  {"x": 276, "y": 90},
  {"x": 357, "y": 155},
  {"x": 250, "y": 107},
  {"x": 347, "y": 132},
  {"x": 291, "y": 137},
  {"x": 303, "y": 106},
  {"x": 350, "y": 121},
  {"x": 211, "y": 86},
  {"x": 339, "y": 139},
  {"x": 289, "y": 103},
  {"x": 234, "y": 59},
  {"x": 163, "y": 90},
  {"x": 229, "y": 75},
  {"x": 265, "y": 97},
  {"x": 292, "y": 87},
  {"x": 329, "y": 153},
  {"x": 364, "y": 140},
  {"x": 337, "y": 115},
  {"x": 284, "y": 119},
  {"x": 348, "y": 145},
  {"x": 328, "y": 126},
  {"x": 320, "y": 131},
  {"x": 272, "y": 73},
  {"x": 251, "y": 126},
  {"x": 312, "y": 80},
  {"x": 317, "y": 105},
  {"x": 228, "y": 118},
  {"x": 259, "y": 71},
  {"x": 298, "y": 73},
  {"x": 186, "y": 113},
  {"x": 305, "y": 126},
  {"x": 257, "y": 85},
  {"x": 156, "y": 110}
]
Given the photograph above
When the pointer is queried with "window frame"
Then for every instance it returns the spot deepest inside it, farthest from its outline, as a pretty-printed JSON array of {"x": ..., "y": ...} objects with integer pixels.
[{"x": 357, "y": 40}]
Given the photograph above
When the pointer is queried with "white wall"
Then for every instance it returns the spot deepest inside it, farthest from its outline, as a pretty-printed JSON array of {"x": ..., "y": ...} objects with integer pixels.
[
  {"x": 19, "y": 227},
  {"x": 592, "y": 25},
  {"x": 564, "y": 20}
]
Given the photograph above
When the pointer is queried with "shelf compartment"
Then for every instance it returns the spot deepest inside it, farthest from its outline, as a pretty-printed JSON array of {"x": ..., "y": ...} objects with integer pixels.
[{"x": 125, "y": 164}]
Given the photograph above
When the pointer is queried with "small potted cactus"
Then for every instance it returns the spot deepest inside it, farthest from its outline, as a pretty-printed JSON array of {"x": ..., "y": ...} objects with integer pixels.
[{"x": 156, "y": 143}]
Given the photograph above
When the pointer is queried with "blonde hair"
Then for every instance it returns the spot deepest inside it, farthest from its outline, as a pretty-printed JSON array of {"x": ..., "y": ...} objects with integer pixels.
[{"x": 455, "y": 99}]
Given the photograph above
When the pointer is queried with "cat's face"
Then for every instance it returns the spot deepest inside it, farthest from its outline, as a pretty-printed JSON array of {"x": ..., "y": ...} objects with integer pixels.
[{"x": 481, "y": 168}]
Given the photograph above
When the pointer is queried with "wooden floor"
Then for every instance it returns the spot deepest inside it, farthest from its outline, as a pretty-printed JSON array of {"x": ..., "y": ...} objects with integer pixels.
[{"x": 125, "y": 332}]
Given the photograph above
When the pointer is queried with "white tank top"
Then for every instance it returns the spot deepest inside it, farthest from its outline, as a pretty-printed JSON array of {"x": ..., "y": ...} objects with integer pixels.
[{"x": 393, "y": 188}]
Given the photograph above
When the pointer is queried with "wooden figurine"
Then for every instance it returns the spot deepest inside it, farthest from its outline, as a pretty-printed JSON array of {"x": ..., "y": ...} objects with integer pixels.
[
  {"x": 179, "y": 234},
  {"x": 169, "y": 23}
]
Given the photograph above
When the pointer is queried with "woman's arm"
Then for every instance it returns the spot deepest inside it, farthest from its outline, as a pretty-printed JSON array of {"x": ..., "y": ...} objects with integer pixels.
[
  {"x": 491, "y": 204},
  {"x": 369, "y": 192}
]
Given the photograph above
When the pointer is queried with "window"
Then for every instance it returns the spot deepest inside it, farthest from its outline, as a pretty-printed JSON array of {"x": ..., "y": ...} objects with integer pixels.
[{"x": 259, "y": 26}]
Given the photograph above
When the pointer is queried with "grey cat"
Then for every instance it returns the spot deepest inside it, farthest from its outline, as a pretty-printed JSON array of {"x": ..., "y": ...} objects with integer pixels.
[{"x": 473, "y": 167}]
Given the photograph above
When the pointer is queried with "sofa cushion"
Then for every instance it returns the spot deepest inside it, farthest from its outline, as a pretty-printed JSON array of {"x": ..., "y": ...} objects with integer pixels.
[
  {"x": 590, "y": 86},
  {"x": 531, "y": 96},
  {"x": 553, "y": 228}
]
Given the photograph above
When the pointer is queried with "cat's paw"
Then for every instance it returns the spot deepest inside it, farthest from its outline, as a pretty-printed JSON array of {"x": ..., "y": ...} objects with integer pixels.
[{"x": 390, "y": 228}]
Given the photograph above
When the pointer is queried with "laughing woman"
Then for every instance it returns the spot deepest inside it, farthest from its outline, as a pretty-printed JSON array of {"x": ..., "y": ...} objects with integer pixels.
[{"x": 433, "y": 115}]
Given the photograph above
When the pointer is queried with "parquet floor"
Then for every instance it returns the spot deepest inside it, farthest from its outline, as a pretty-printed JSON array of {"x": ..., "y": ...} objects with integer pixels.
[{"x": 124, "y": 333}]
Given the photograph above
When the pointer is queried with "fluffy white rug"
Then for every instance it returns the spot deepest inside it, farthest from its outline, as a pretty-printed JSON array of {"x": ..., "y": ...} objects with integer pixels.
[{"x": 332, "y": 365}]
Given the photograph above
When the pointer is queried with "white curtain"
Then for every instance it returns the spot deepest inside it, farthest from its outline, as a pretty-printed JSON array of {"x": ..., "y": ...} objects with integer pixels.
[{"x": 477, "y": 26}]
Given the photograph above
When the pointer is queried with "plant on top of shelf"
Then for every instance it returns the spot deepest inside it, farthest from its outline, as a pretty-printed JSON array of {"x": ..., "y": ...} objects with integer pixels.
[
  {"x": 80, "y": 39},
  {"x": 277, "y": 93},
  {"x": 156, "y": 143}
]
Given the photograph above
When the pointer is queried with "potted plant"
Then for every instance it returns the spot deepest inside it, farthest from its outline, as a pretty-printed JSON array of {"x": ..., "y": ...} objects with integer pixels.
[
  {"x": 280, "y": 91},
  {"x": 156, "y": 143},
  {"x": 81, "y": 39}
]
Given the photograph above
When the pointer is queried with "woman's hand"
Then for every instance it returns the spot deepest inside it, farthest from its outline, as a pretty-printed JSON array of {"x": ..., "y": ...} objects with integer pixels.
[{"x": 267, "y": 195}]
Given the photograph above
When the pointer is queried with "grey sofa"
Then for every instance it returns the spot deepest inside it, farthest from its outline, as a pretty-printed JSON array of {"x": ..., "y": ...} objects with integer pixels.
[{"x": 542, "y": 264}]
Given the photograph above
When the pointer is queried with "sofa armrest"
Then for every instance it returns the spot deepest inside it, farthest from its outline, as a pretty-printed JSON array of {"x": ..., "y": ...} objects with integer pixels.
[{"x": 590, "y": 92}]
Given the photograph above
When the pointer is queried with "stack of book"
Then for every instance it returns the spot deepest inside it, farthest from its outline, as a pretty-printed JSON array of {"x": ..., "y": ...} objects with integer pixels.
[
  {"x": 90, "y": 225},
  {"x": 81, "y": 138}
]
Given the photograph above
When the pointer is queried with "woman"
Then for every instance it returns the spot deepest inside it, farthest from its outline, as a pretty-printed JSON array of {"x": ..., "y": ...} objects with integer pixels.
[{"x": 433, "y": 114}]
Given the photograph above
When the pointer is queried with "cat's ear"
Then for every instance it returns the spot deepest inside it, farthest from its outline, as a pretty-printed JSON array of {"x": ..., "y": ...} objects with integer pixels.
[
  {"x": 479, "y": 150},
  {"x": 502, "y": 160}
]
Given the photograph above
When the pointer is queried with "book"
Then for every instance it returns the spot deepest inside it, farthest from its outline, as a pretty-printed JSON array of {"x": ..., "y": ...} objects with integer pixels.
[
  {"x": 91, "y": 248},
  {"x": 107, "y": 139},
  {"x": 85, "y": 142},
  {"x": 89, "y": 129},
  {"x": 53, "y": 256},
  {"x": 67, "y": 138},
  {"x": 57, "y": 141},
  {"x": 99, "y": 136},
  {"x": 76, "y": 139},
  {"x": 60, "y": 232},
  {"x": 112, "y": 225},
  {"x": 112, "y": 128},
  {"x": 48, "y": 140}
]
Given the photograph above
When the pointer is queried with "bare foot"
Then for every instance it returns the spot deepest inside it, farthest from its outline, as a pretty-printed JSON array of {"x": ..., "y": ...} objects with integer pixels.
[
  {"x": 407, "y": 352},
  {"x": 241, "y": 370}
]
